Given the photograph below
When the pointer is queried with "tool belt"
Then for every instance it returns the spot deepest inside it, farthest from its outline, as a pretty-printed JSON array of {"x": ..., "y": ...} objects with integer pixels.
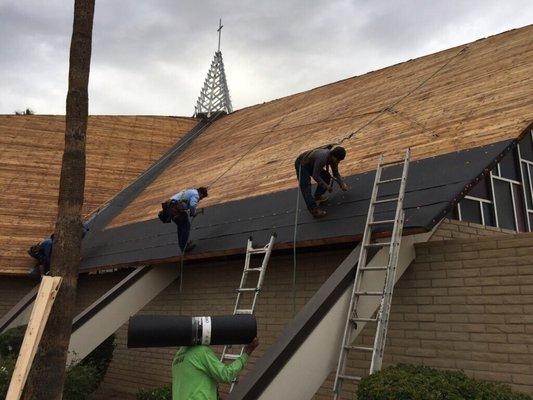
[{"x": 170, "y": 209}]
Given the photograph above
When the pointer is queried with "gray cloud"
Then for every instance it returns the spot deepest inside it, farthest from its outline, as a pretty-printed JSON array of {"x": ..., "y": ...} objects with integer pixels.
[{"x": 150, "y": 57}]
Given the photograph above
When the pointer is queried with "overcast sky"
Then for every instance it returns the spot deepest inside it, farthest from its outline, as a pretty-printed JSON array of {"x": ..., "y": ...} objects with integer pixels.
[{"x": 151, "y": 56}]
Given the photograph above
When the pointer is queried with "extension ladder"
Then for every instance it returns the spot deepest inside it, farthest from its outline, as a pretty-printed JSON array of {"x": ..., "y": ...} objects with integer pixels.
[
  {"x": 381, "y": 316},
  {"x": 245, "y": 288}
]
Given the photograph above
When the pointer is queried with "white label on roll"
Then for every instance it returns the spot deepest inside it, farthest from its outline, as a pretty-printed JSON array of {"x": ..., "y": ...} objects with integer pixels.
[{"x": 206, "y": 330}]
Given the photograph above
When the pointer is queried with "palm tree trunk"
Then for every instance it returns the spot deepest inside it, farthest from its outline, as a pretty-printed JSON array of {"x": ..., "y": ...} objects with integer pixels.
[{"x": 48, "y": 372}]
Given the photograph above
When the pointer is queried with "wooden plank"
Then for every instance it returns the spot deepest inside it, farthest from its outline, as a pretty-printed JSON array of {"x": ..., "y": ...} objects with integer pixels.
[{"x": 38, "y": 318}]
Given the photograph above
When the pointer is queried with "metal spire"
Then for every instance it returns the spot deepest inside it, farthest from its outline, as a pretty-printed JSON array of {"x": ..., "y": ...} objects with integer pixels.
[{"x": 214, "y": 96}]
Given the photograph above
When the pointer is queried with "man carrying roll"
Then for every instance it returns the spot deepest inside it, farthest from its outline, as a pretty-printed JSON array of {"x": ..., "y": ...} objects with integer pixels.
[{"x": 196, "y": 371}]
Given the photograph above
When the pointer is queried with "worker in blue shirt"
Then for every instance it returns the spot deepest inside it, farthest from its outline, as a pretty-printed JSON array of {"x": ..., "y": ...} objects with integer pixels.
[
  {"x": 46, "y": 251},
  {"x": 42, "y": 252},
  {"x": 178, "y": 209}
]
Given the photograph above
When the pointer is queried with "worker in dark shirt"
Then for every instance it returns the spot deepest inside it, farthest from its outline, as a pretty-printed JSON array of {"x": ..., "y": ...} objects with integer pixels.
[{"x": 315, "y": 164}]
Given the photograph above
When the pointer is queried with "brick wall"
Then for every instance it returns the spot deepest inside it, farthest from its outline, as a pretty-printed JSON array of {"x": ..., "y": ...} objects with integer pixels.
[
  {"x": 468, "y": 304},
  {"x": 450, "y": 229},
  {"x": 465, "y": 304}
]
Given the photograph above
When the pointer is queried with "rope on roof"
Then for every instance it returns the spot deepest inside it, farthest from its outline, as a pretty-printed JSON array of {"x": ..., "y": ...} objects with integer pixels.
[
  {"x": 254, "y": 145},
  {"x": 396, "y": 102}
]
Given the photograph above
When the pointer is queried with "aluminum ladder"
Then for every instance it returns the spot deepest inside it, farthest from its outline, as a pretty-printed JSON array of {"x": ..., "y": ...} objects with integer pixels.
[
  {"x": 245, "y": 288},
  {"x": 381, "y": 316}
]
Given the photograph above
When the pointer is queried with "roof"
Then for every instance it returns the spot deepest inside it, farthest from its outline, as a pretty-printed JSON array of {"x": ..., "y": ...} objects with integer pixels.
[
  {"x": 119, "y": 148},
  {"x": 459, "y": 109},
  {"x": 224, "y": 228},
  {"x": 482, "y": 95}
]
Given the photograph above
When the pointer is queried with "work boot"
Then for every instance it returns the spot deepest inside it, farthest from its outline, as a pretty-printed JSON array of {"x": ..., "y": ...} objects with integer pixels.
[
  {"x": 317, "y": 212},
  {"x": 189, "y": 246},
  {"x": 321, "y": 199}
]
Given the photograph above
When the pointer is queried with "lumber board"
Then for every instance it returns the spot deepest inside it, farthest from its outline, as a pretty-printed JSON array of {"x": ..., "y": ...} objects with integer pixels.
[{"x": 38, "y": 318}]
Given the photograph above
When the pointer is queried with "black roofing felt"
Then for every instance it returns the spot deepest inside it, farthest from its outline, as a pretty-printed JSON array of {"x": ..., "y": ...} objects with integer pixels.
[{"x": 434, "y": 184}]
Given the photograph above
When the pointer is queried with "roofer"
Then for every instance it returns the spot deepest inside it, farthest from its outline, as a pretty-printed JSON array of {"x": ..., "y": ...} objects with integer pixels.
[
  {"x": 178, "y": 209},
  {"x": 315, "y": 163},
  {"x": 42, "y": 252},
  {"x": 196, "y": 371}
]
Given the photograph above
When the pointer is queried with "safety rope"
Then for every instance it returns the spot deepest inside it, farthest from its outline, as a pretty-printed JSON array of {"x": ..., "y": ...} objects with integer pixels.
[
  {"x": 180, "y": 290},
  {"x": 398, "y": 101},
  {"x": 251, "y": 148},
  {"x": 296, "y": 212},
  {"x": 238, "y": 160}
]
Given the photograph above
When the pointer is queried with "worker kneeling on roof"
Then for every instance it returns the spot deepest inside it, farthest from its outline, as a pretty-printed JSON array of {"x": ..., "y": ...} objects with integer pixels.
[
  {"x": 178, "y": 208},
  {"x": 196, "y": 371},
  {"x": 315, "y": 163}
]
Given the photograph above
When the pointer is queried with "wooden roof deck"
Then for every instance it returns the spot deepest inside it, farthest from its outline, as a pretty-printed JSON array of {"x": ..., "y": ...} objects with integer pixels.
[
  {"x": 119, "y": 148},
  {"x": 484, "y": 95}
]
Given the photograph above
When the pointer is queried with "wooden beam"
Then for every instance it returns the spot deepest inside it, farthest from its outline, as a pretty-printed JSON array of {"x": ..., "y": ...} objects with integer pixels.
[{"x": 39, "y": 316}]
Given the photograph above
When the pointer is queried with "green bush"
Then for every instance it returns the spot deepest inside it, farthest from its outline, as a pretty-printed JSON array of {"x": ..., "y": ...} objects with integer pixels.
[
  {"x": 11, "y": 340},
  {"x": 415, "y": 382},
  {"x": 81, "y": 381},
  {"x": 83, "y": 378},
  {"x": 160, "y": 393},
  {"x": 101, "y": 357},
  {"x": 7, "y": 364}
]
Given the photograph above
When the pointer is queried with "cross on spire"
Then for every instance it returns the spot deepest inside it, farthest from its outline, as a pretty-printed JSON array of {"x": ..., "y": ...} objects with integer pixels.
[{"x": 220, "y": 26}]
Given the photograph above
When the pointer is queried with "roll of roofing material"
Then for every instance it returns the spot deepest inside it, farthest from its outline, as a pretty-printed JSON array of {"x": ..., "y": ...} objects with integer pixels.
[{"x": 170, "y": 331}]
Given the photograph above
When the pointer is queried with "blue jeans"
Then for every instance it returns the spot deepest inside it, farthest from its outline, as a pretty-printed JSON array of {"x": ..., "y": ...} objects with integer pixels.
[
  {"x": 304, "y": 174},
  {"x": 181, "y": 219}
]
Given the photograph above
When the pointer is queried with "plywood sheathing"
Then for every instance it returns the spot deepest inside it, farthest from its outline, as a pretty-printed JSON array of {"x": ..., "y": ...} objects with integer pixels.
[
  {"x": 119, "y": 148},
  {"x": 484, "y": 95}
]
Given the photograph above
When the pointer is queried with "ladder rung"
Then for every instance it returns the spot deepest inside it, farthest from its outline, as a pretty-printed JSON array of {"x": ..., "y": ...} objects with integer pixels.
[
  {"x": 361, "y": 348},
  {"x": 383, "y": 222},
  {"x": 231, "y": 356},
  {"x": 248, "y": 289},
  {"x": 253, "y": 269},
  {"x": 389, "y": 180},
  {"x": 244, "y": 311},
  {"x": 369, "y": 293},
  {"x": 388, "y": 164},
  {"x": 383, "y": 244},
  {"x": 392, "y": 199},
  {"x": 257, "y": 251},
  {"x": 374, "y": 268},
  {"x": 350, "y": 377},
  {"x": 364, "y": 319}
]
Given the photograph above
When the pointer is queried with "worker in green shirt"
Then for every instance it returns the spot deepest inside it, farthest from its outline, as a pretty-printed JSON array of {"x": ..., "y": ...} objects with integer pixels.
[{"x": 196, "y": 371}]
